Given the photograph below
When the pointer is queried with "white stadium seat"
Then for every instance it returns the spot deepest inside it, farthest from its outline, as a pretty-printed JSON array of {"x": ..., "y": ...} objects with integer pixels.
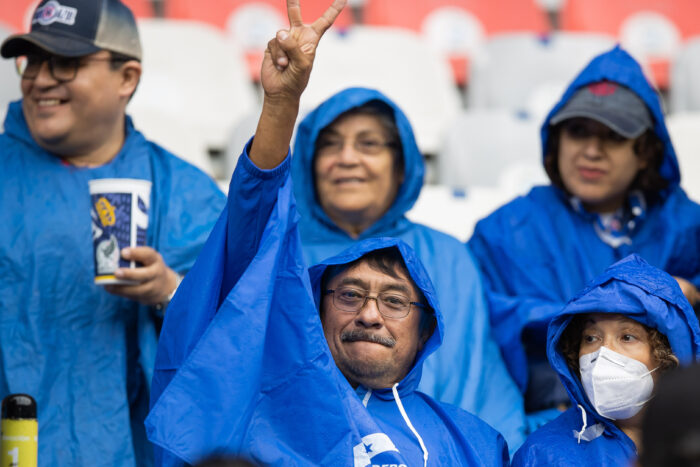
[
  {"x": 527, "y": 72},
  {"x": 685, "y": 78},
  {"x": 397, "y": 62},
  {"x": 482, "y": 143},
  {"x": 9, "y": 79},
  {"x": 195, "y": 74},
  {"x": 684, "y": 129}
]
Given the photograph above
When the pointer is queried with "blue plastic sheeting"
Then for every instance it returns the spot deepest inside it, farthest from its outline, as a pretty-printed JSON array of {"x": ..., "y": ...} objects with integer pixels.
[
  {"x": 243, "y": 365},
  {"x": 468, "y": 366}
]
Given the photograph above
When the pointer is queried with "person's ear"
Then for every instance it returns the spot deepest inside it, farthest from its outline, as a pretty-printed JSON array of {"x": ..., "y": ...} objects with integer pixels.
[
  {"x": 130, "y": 75},
  {"x": 426, "y": 332}
]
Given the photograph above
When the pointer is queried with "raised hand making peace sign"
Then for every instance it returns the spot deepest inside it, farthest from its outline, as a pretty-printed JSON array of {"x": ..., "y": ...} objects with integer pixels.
[
  {"x": 285, "y": 73},
  {"x": 290, "y": 55}
]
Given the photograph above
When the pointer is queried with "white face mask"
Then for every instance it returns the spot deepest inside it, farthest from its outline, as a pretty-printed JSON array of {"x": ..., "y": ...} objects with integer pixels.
[{"x": 618, "y": 386}]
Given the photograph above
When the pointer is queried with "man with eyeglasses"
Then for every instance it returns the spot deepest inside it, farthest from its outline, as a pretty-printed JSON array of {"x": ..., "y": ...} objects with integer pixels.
[
  {"x": 85, "y": 352},
  {"x": 288, "y": 365}
]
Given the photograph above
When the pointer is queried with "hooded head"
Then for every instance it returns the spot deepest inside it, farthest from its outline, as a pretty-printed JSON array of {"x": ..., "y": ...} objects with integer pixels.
[
  {"x": 374, "y": 343},
  {"x": 612, "y": 99},
  {"x": 634, "y": 289},
  {"x": 356, "y": 174}
]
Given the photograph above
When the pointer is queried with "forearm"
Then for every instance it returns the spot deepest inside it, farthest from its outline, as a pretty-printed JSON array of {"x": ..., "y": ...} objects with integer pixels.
[{"x": 274, "y": 132}]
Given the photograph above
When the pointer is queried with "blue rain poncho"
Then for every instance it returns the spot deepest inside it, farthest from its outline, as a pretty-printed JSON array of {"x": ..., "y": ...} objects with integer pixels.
[
  {"x": 643, "y": 293},
  {"x": 537, "y": 251},
  {"x": 468, "y": 366},
  {"x": 85, "y": 355},
  {"x": 243, "y": 365}
]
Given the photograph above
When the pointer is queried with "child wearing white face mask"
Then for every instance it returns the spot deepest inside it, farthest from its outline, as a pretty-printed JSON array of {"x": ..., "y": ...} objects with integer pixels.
[{"x": 609, "y": 345}]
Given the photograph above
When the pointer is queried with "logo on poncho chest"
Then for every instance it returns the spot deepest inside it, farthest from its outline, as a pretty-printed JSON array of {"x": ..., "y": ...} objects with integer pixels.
[{"x": 377, "y": 450}]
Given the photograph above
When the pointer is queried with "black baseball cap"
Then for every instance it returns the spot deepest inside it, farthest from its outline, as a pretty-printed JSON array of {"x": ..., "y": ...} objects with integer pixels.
[
  {"x": 613, "y": 105},
  {"x": 73, "y": 28}
]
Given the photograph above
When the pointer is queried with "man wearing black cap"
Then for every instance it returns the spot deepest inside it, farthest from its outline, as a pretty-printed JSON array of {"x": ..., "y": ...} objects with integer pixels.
[{"x": 85, "y": 352}]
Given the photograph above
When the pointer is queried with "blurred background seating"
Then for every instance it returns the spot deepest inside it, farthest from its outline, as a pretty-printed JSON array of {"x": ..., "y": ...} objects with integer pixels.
[{"x": 474, "y": 77}]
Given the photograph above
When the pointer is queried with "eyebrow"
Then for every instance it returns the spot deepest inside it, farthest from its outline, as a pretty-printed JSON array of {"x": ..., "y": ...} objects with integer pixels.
[{"x": 396, "y": 287}]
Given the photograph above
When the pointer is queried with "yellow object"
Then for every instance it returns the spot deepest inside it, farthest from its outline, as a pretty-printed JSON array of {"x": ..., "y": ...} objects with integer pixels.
[
  {"x": 106, "y": 211},
  {"x": 19, "y": 443}
]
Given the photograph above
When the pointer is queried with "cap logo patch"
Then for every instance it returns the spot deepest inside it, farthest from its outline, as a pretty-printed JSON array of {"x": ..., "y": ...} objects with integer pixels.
[
  {"x": 603, "y": 88},
  {"x": 54, "y": 12}
]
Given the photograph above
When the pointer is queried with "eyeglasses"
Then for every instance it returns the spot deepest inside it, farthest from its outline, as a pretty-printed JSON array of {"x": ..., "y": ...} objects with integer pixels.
[
  {"x": 62, "y": 69},
  {"x": 364, "y": 145},
  {"x": 390, "y": 304}
]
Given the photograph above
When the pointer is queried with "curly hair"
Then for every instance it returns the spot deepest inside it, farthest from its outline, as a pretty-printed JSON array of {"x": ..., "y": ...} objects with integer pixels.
[
  {"x": 570, "y": 343},
  {"x": 648, "y": 147}
]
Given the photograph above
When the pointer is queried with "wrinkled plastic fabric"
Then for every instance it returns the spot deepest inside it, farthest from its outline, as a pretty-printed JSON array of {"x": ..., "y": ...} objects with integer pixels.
[
  {"x": 243, "y": 365},
  {"x": 536, "y": 251},
  {"x": 643, "y": 293},
  {"x": 85, "y": 355},
  {"x": 468, "y": 366}
]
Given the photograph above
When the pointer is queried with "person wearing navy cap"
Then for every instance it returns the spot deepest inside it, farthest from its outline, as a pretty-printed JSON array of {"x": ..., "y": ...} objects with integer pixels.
[
  {"x": 84, "y": 352},
  {"x": 615, "y": 190}
]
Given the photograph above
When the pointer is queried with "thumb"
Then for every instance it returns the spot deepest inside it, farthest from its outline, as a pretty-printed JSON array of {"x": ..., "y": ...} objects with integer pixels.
[{"x": 289, "y": 44}]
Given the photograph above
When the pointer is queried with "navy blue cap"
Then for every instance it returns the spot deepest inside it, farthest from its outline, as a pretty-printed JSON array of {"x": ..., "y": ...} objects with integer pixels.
[{"x": 73, "y": 28}]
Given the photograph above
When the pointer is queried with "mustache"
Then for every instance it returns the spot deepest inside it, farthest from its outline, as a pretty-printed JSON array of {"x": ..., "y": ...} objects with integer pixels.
[{"x": 360, "y": 335}]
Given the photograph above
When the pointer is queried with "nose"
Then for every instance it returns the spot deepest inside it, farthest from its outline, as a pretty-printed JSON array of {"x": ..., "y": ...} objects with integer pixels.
[
  {"x": 44, "y": 78},
  {"x": 593, "y": 147},
  {"x": 609, "y": 342},
  {"x": 348, "y": 155},
  {"x": 369, "y": 316}
]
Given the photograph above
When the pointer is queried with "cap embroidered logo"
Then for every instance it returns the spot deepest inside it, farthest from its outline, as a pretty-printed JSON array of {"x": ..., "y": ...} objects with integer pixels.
[
  {"x": 54, "y": 12},
  {"x": 602, "y": 88}
]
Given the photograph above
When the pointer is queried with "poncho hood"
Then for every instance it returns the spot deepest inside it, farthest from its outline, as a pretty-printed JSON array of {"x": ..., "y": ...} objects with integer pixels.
[
  {"x": 641, "y": 292},
  {"x": 303, "y": 161},
  {"x": 418, "y": 275}
]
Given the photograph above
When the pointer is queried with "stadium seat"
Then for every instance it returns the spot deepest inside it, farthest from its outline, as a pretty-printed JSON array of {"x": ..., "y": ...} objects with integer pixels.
[
  {"x": 175, "y": 135},
  {"x": 399, "y": 63},
  {"x": 527, "y": 73},
  {"x": 251, "y": 23},
  {"x": 9, "y": 79},
  {"x": 194, "y": 73},
  {"x": 481, "y": 144},
  {"x": 455, "y": 212},
  {"x": 684, "y": 129},
  {"x": 457, "y": 27},
  {"x": 238, "y": 137},
  {"x": 140, "y": 8},
  {"x": 685, "y": 78},
  {"x": 17, "y": 14},
  {"x": 652, "y": 30}
]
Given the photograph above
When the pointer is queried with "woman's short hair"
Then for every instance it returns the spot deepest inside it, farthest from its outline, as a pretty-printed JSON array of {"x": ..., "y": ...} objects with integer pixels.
[{"x": 570, "y": 343}]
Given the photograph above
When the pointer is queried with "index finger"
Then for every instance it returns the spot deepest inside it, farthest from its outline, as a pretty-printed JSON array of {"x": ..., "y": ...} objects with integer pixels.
[
  {"x": 294, "y": 13},
  {"x": 322, "y": 24}
]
